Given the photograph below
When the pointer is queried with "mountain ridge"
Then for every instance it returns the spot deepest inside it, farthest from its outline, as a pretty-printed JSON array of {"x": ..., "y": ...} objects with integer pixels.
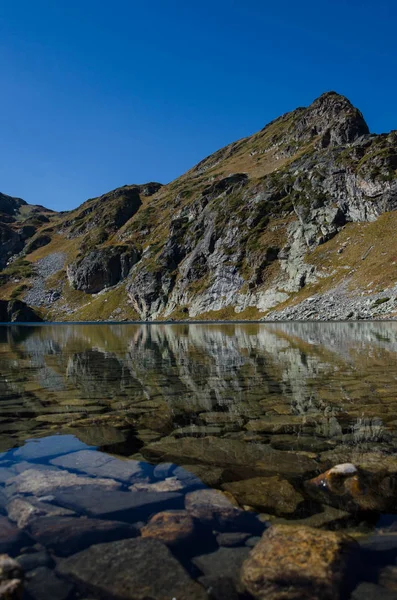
[{"x": 252, "y": 231}]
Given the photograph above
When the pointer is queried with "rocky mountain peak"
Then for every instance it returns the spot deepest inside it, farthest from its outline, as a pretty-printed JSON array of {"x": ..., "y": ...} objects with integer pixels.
[{"x": 335, "y": 119}]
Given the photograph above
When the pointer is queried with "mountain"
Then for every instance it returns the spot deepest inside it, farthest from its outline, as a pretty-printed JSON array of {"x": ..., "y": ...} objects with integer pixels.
[{"x": 296, "y": 221}]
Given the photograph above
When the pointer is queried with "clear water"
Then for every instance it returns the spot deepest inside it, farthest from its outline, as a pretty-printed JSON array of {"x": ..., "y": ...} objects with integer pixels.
[{"x": 211, "y": 398}]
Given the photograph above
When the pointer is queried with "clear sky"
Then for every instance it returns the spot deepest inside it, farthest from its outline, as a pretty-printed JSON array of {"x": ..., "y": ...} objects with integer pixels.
[{"x": 96, "y": 94}]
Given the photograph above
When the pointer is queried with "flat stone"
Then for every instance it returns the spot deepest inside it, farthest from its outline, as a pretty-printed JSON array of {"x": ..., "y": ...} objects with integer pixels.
[
  {"x": 40, "y": 483},
  {"x": 269, "y": 494},
  {"x": 232, "y": 454},
  {"x": 97, "y": 502},
  {"x": 68, "y": 535},
  {"x": 170, "y": 484},
  {"x": 33, "y": 560},
  {"x": 278, "y": 424},
  {"x": 135, "y": 569},
  {"x": 298, "y": 562},
  {"x": 100, "y": 464},
  {"x": 49, "y": 446},
  {"x": 371, "y": 591},
  {"x": 326, "y": 519},
  {"x": 209, "y": 475},
  {"x": 11, "y": 538},
  {"x": 171, "y": 528},
  {"x": 225, "y": 562},
  {"x": 11, "y": 578},
  {"x": 43, "y": 584},
  {"x": 217, "y": 418},
  {"x": 232, "y": 539},
  {"x": 25, "y": 510},
  {"x": 100, "y": 435},
  {"x": 196, "y": 431},
  {"x": 299, "y": 442}
]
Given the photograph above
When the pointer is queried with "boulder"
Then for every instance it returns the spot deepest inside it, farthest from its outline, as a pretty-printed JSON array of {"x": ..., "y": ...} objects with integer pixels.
[{"x": 300, "y": 563}]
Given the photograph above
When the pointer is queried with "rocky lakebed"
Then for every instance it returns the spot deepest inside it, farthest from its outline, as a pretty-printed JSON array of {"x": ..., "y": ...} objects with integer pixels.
[{"x": 227, "y": 462}]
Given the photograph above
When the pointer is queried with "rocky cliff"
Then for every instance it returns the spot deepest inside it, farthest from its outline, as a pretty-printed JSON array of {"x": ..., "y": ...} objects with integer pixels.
[{"x": 296, "y": 222}]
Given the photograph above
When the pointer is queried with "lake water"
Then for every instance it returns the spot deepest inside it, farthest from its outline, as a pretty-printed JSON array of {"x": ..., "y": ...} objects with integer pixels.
[{"x": 120, "y": 422}]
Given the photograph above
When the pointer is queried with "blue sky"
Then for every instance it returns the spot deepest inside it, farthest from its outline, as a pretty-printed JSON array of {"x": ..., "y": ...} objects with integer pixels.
[{"x": 97, "y": 94}]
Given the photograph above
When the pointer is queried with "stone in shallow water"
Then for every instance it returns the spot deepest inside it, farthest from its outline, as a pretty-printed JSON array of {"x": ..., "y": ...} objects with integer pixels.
[
  {"x": 67, "y": 535},
  {"x": 100, "y": 464},
  {"x": 279, "y": 424},
  {"x": 270, "y": 494},
  {"x": 219, "y": 588},
  {"x": 102, "y": 503},
  {"x": 225, "y": 562},
  {"x": 43, "y": 584},
  {"x": 100, "y": 435},
  {"x": 11, "y": 538},
  {"x": 388, "y": 578},
  {"x": 169, "y": 484},
  {"x": 211, "y": 476},
  {"x": 40, "y": 483},
  {"x": 327, "y": 519},
  {"x": 212, "y": 418},
  {"x": 49, "y": 446},
  {"x": 233, "y": 454},
  {"x": 25, "y": 510},
  {"x": 132, "y": 570},
  {"x": 196, "y": 431},
  {"x": 345, "y": 486},
  {"x": 11, "y": 576},
  {"x": 232, "y": 539},
  {"x": 33, "y": 560},
  {"x": 300, "y": 563},
  {"x": 299, "y": 442},
  {"x": 210, "y": 505},
  {"x": 371, "y": 591},
  {"x": 171, "y": 528}
]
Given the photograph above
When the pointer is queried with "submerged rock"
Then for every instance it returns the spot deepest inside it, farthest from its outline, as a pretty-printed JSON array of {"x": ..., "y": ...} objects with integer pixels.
[
  {"x": 299, "y": 563},
  {"x": 41, "y": 483},
  {"x": 67, "y": 535},
  {"x": 229, "y": 453},
  {"x": 25, "y": 510},
  {"x": 11, "y": 578},
  {"x": 269, "y": 494},
  {"x": 210, "y": 505},
  {"x": 171, "y": 528},
  {"x": 131, "y": 570},
  {"x": 43, "y": 584}
]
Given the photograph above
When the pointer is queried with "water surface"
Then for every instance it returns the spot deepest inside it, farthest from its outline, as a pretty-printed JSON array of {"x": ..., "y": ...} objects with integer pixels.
[{"x": 256, "y": 410}]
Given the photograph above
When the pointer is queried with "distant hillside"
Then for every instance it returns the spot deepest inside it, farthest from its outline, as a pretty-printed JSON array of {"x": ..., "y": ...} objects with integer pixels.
[{"x": 296, "y": 221}]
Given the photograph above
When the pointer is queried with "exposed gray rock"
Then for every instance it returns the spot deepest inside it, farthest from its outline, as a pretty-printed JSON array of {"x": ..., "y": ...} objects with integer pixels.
[{"x": 102, "y": 268}]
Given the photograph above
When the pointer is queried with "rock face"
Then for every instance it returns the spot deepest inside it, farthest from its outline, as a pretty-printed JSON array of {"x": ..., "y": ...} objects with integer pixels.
[
  {"x": 102, "y": 268},
  {"x": 296, "y": 563},
  {"x": 264, "y": 221}
]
